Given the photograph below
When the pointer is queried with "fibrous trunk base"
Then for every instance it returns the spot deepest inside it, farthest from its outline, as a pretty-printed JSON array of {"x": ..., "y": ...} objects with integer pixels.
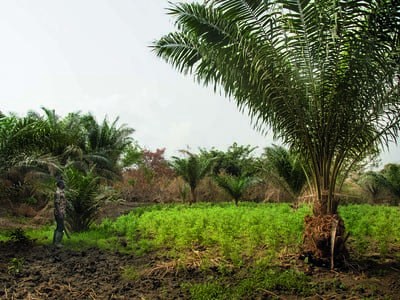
[{"x": 324, "y": 240}]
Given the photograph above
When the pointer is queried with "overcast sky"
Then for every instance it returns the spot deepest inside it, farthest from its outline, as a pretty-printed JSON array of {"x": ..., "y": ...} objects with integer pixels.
[{"x": 94, "y": 56}]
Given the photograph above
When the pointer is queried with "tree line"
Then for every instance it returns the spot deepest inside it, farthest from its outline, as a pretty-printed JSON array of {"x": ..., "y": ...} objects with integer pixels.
[{"x": 100, "y": 162}]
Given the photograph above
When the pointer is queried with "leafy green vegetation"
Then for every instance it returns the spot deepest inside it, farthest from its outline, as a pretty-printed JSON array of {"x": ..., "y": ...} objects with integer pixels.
[
  {"x": 258, "y": 281},
  {"x": 227, "y": 233},
  {"x": 372, "y": 228}
]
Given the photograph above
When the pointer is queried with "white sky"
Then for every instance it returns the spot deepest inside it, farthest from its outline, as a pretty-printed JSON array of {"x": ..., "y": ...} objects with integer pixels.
[{"x": 94, "y": 56}]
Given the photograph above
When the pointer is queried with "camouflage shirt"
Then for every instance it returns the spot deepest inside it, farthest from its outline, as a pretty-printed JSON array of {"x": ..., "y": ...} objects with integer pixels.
[{"x": 60, "y": 203}]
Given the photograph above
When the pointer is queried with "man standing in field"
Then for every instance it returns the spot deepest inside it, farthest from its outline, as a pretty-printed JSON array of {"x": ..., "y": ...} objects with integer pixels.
[{"x": 60, "y": 206}]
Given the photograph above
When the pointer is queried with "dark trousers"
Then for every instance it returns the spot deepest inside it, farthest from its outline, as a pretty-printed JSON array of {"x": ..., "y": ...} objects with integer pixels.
[{"x": 60, "y": 223}]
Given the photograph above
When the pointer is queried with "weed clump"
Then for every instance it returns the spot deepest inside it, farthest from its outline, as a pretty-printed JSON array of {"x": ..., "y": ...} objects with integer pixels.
[
  {"x": 256, "y": 283},
  {"x": 19, "y": 238}
]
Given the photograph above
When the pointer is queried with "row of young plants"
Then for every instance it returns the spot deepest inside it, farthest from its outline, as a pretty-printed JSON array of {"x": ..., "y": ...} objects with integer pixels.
[{"x": 234, "y": 233}]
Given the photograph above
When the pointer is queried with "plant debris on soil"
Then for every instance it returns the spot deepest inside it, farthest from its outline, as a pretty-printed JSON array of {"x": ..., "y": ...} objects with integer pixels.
[{"x": 46, "y": 272}]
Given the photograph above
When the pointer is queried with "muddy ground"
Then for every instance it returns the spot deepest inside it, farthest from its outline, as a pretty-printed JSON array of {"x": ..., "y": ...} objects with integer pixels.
[
  {"x": 52, "y": 273},
  {"x": 45, "y": 272}
]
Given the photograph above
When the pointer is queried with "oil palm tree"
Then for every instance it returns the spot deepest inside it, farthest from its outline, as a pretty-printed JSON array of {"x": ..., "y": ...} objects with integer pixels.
[
  {"x": 235, "y": 186},
  {"x": 192, "y": 169},
  {"x": 81, "y": 141},
  {"x": 44, "y": 144},
  {"x": 323, "y": 75},
  {"x": 24, "y": 162},
  {"x": 19, "y": 137},
  {"x": 106, "y": 143},
  {"x": 285, "y": 169},
  {"x": 83, "y": 191}
]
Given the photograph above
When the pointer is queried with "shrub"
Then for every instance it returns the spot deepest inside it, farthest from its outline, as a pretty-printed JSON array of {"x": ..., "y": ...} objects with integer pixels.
[{"x": 149, "y": 180}]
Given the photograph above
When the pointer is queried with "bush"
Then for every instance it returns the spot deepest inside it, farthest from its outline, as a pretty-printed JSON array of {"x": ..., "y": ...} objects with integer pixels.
[{"x": 149, "y": 181}]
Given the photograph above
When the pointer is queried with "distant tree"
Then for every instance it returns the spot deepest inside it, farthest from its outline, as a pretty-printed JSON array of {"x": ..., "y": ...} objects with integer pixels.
[
  {"x": 285, "y": 169},
  {"x": 235, "y": 186},
  {"x": 236, "y": 161},
  {"x": 155, "y": 162},
  {"x": 148, "y": 178},
  {"x": 391, "y": 172},
  {"x": 373, "y": 183},
  {"x": 105, "y": 145},
  {"x": 192, "y": 169},
  {"x": 131, "y": 156}
]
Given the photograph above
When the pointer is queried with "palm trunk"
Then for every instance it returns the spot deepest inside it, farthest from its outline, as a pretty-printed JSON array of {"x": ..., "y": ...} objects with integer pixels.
[
  {"x": 324, "y": 234},
  {"x": 194, "y": 195},
  {"x": 324, "y": 240}
]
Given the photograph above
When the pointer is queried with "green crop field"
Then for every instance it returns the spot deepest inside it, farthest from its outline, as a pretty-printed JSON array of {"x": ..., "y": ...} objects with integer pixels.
[{"x": 232, "y": 233}]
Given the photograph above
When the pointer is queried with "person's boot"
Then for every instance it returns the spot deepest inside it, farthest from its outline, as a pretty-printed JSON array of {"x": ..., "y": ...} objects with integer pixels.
[{"x": 58, "y": 238}]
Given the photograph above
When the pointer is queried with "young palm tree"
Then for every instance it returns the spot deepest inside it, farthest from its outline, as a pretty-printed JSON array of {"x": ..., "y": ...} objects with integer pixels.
[
  {"x": 323, "y": 75},
  {"x": 192, "y": 169},
  {"x": 235, "y": 186},
  {"x": 285, "y": 169},
  {"x": 82, "y": 193}
]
